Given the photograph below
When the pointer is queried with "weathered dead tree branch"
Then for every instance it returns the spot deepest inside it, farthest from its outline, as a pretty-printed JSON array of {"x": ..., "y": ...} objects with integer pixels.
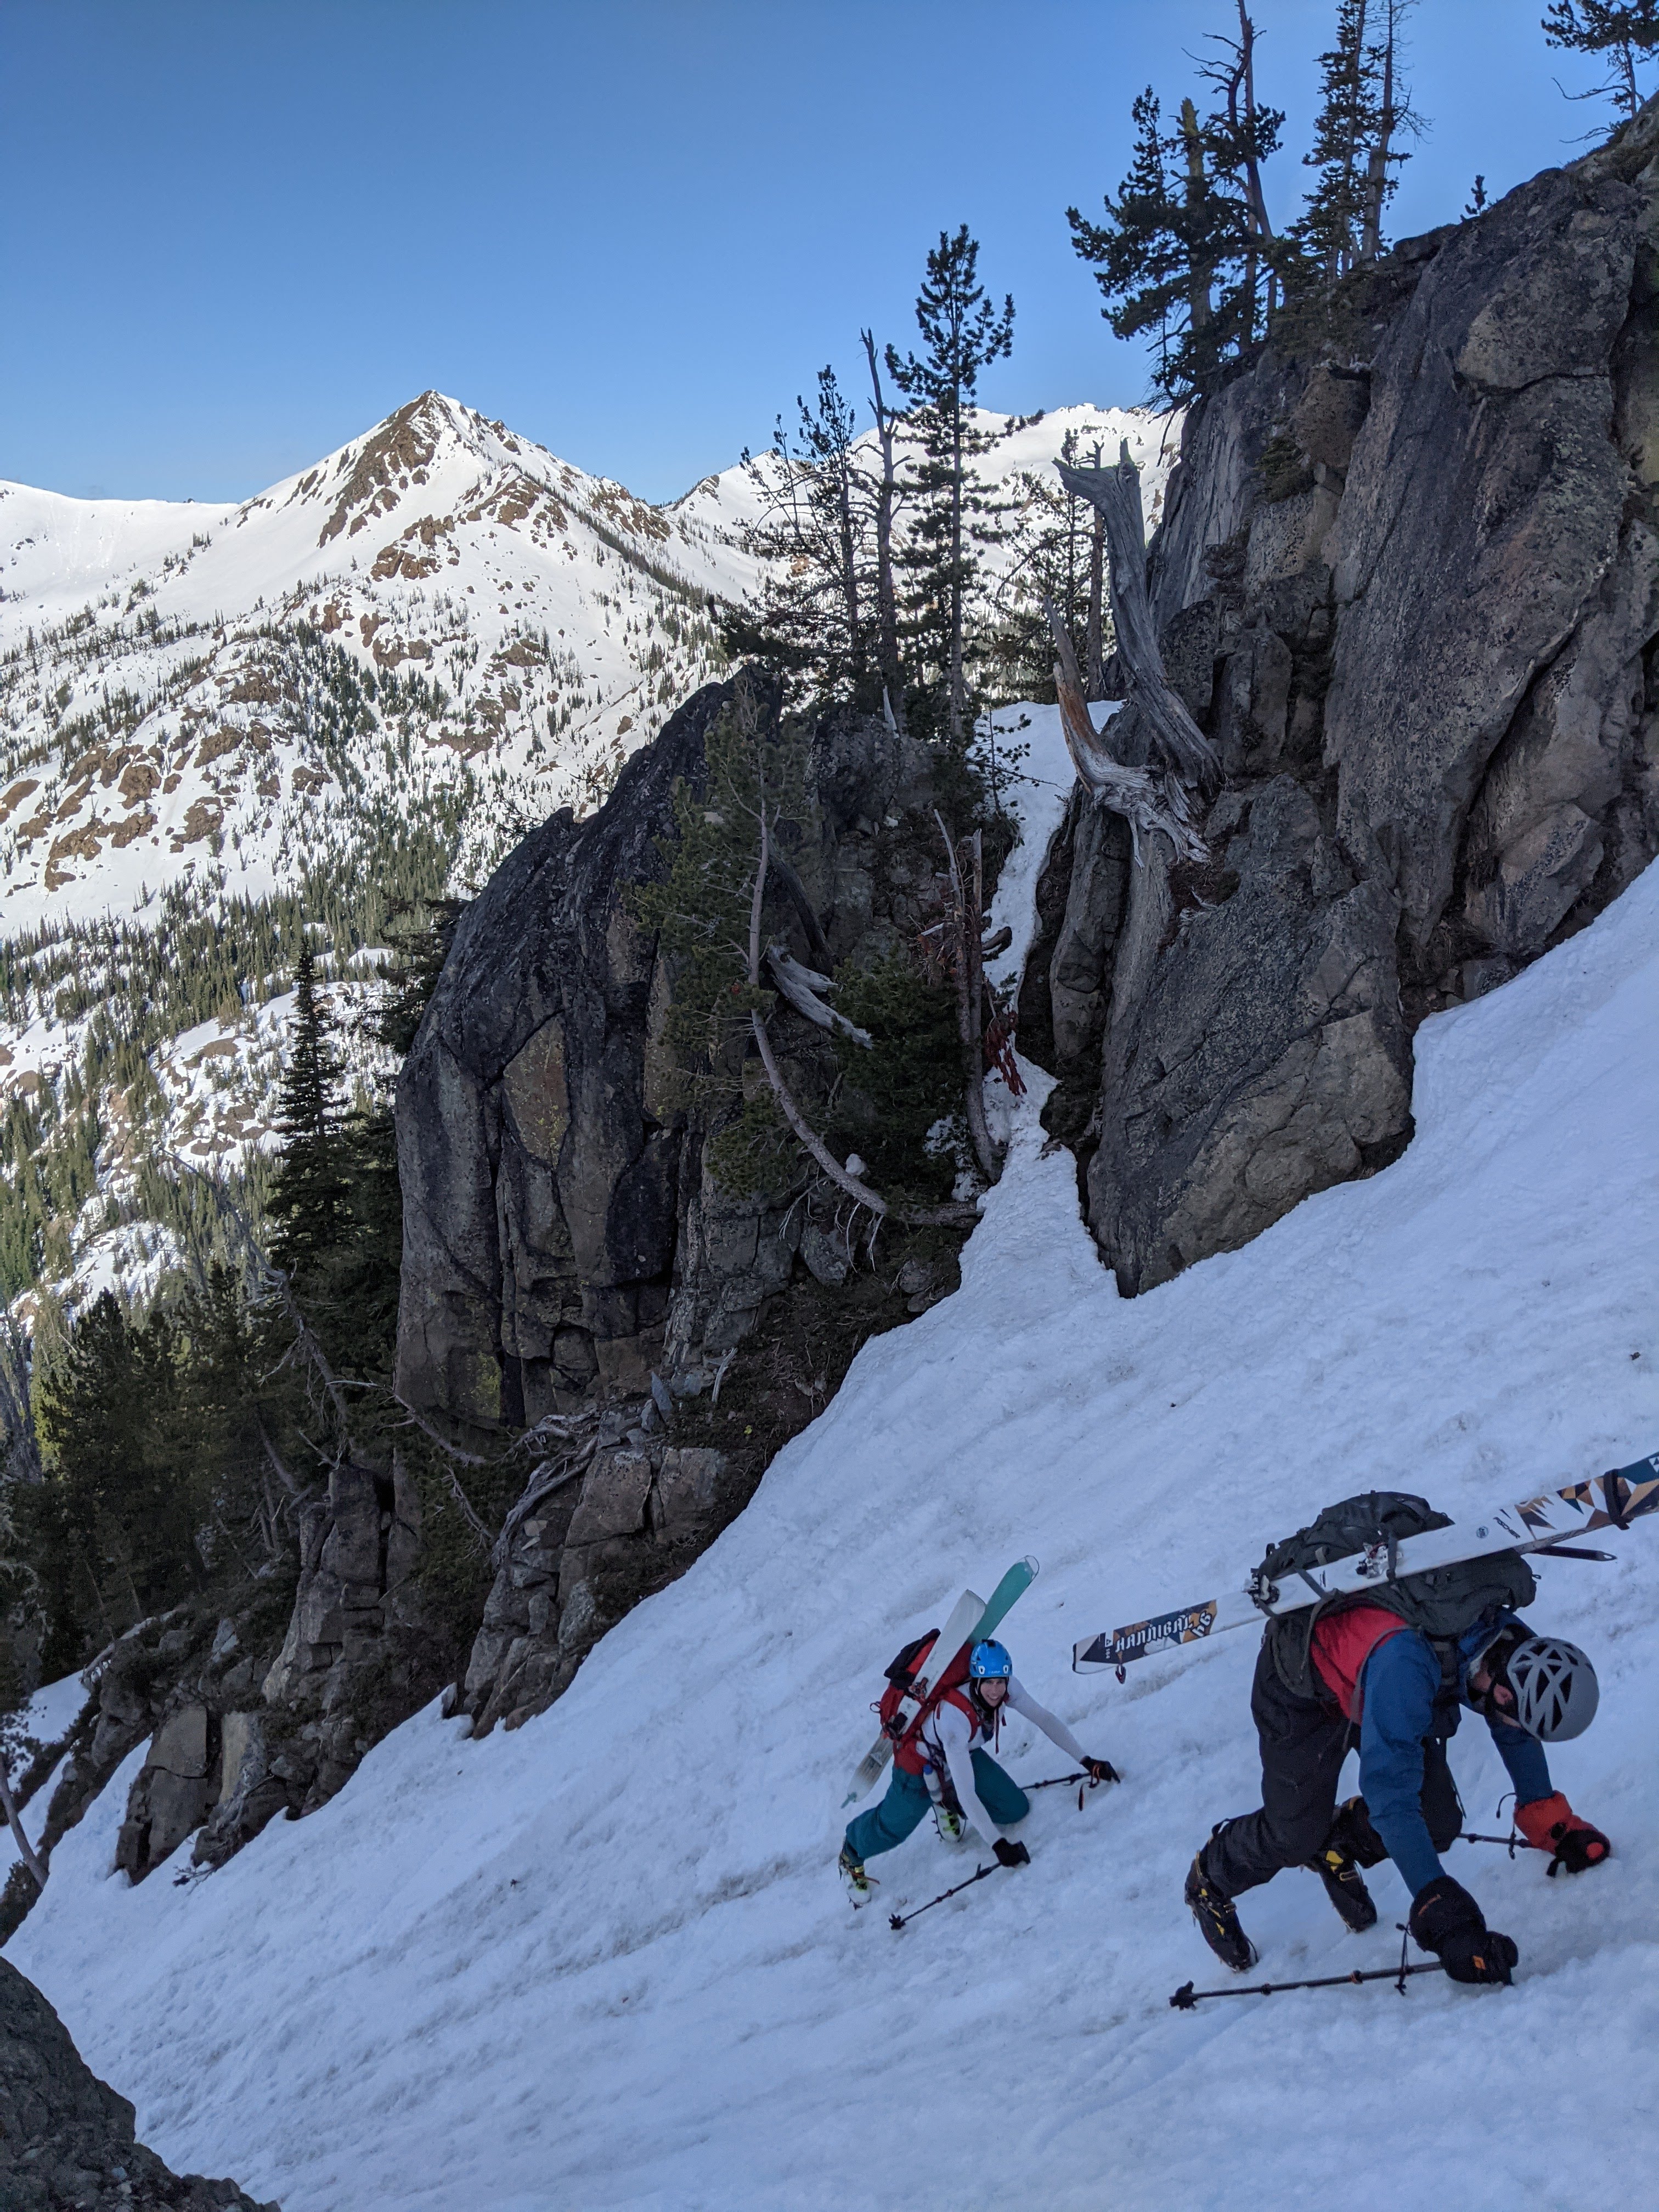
[
  {"x": 1146, "y": 799},
  {"x": 805, "y": 1134},
  {"x": 1115, "y": 494}
]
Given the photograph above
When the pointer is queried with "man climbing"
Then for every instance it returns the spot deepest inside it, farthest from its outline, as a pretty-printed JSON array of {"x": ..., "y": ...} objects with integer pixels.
[
  {"x": 1366, "y": 1673},
  {"x": 945, "y": 1764}
]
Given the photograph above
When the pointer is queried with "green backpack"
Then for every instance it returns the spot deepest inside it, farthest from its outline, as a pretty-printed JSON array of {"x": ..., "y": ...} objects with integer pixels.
[{"x": 1442, "y": 1603}]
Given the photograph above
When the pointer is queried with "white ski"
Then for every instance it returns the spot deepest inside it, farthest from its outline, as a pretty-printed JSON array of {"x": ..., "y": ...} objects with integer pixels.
[
  {"x": 965, "y": 1619},
  {"x": 1613, "y": 1500},
  {"x": 971, "y": 1619}
]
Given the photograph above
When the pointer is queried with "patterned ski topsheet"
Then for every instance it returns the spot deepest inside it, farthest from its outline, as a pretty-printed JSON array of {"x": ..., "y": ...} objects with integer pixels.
[
  {"x": 971, "y": 1620},
  {"x": 1607, "y": 1501}
]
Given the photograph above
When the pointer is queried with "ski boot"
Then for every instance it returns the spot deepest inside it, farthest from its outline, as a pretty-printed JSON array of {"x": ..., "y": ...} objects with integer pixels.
[
  {"x": 1345, "y": 1886},
  {"x": 950, "y": 1825},
  {"x": 859, "y": 1884},
  {"x": 1218, "y": 1922}
]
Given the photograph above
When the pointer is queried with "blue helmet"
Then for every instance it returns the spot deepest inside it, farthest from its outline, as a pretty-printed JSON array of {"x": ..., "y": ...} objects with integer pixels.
[{"x": 990, "y": 1663}]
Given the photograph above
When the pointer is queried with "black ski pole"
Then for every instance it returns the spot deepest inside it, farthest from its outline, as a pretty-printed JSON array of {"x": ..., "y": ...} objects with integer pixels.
[
  {"x": 900, "y": 1919},
  {"x": 1186, "y": 1996},
  {"x": 1089, "y": 1781}
]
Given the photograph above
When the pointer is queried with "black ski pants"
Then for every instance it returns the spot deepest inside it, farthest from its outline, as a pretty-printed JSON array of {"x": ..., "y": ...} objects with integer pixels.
[{"x": 1304, "y": 1744}]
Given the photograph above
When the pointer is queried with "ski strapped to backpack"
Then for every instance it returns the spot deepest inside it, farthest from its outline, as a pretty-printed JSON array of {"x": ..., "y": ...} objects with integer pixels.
[
  {"x": 1375, "y": 1567},
  {"x": 935, "y": 1663}
]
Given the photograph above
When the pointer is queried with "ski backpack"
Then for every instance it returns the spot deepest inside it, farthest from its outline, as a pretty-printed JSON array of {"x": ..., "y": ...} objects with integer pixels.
[
  {"x": 1441, "y": 1602},
  {"x": 902, "y": 1673}
]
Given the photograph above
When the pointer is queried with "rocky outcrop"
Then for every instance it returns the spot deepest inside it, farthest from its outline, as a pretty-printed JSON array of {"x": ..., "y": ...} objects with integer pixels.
[
  {"x": 1413, "y": 597},
  {"x": 619, "y": 1508},
  {"x": 571, "y": 1268},
  {"x": 559, "y": 1232},
  {"x": 67, "y": 2139}
]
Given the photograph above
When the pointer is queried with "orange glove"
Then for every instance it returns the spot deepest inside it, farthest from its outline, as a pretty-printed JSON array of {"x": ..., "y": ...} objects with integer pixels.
[{"x": 1549, "y": 1824}]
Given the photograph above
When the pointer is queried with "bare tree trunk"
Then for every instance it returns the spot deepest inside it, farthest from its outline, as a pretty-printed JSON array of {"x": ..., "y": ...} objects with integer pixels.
[
  {"x": 1115, "y": 494},
  {"x": 849, "y": 573},
  {"x": 957, "y": 699},
  {"x": 1377, "y": 164},
  {"x": 1199, "y": 290},
  {"x": 13, "y": 1820},
  {"x": 1257, "y": 199},
  {"x": 1096, "y": 642},
  {"x": 886, "y": 596},
  {"x": 1146, "y": 801}
]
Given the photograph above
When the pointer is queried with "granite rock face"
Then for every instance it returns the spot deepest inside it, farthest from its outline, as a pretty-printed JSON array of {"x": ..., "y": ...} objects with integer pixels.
[
  {"x": 619, "y": 1507},
  {"x": 66, "y": 2138},
  {"x": 571, "y": 1271},
  {"x": 1412, "y": 596},
  {"x": 559, "y": 1232}
]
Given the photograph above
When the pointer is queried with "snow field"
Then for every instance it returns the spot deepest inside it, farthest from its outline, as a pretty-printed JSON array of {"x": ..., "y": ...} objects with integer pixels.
[{"x": 604, "y": 1961}]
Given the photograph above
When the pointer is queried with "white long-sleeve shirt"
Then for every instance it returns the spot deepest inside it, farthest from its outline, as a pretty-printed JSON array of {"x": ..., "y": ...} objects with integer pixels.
[{"x": 948, "y": 1737}]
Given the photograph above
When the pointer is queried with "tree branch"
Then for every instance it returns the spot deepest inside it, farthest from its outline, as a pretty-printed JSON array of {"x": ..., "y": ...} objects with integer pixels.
[
  {"x": 1115, "y": 494},
  {"x": 1146, "y": 801},
  {"x": 14, "y": 1821}
]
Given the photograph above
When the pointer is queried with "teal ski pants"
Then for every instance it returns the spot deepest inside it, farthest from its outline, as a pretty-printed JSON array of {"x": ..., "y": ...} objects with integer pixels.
[{"x": 888, "y": 1824}]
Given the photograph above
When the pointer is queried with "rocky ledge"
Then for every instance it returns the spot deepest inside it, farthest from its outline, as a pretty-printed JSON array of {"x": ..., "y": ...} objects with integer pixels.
[{"x": 67, "y": 2139}]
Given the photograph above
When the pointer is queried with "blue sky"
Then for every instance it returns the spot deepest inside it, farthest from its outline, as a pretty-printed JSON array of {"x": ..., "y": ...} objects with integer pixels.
[{"x": 238, "y": 232}]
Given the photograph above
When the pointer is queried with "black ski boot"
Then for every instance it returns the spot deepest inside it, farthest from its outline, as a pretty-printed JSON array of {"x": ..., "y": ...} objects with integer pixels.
[
  {"x": 1345, "y": 1886},
  {"x": 1212, "y": 1909}
]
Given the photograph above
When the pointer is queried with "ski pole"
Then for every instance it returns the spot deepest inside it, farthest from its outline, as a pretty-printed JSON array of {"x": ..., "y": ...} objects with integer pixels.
[
  {"x": 1186, "y": 1996},
  {"x": 899, "y": 1919},
  {"x": 1090, "y": 1781}
]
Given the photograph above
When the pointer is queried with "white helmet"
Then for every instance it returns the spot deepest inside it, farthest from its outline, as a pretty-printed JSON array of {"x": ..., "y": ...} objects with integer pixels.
[{"x": 1555, "y": 1687}]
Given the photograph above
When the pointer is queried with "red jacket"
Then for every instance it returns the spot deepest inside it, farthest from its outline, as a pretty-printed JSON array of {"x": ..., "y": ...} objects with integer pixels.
[{"x": 1343, "y": 1641}]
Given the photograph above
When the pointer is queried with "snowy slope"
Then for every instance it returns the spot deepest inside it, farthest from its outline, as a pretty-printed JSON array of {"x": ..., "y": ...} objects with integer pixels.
[
  {"x": 604, "y": 1962},
  {"x": 160, "y": 664}
]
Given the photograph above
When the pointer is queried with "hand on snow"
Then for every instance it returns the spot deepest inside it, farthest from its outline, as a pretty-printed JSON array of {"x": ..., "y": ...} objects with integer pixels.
[
  {"x": 1549, "y": 1824},
  {"x": 1011, "y": 1854},
  {"x": 1446, "y": 1920},
  {"x": 1101, "y": 1769}
]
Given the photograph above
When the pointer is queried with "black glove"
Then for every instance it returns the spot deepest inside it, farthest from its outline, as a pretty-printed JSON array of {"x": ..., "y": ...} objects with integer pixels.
[
  {"x": 1446, "y": 1920},
  {"x": 1011, "y": 1854},
  {"x": 1101, "y": 1769},
  {"x": 1351, "y": 1832}
]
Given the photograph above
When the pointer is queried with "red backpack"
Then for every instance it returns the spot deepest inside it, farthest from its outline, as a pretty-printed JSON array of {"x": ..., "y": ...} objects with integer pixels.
[{"x": 889, "y": 1707}]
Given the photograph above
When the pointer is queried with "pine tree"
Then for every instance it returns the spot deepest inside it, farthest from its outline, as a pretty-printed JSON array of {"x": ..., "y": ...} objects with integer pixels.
[
  {"x": 1626, "y": 31},
  {"x": 1364, "y": 108},
  {"x": 964, "y": 333},
  {"x": 1186, "y": 253},
  {"x": 115, "y": 1520},
  {"x": 812, "y": 534},
  {"x": 309, "y": 1190}
]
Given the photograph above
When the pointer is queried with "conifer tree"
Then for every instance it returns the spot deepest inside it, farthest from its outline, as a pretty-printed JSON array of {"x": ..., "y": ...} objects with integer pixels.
[
  {"x": 1364, "y": 108},
  {"x": 1625, "y": 31},
  {"x": 1186, "y": 254},
  {"x": 812, "y": 534},
  {"x": 309, "y": 1189},
  {"x": 964, "y": 333}
]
